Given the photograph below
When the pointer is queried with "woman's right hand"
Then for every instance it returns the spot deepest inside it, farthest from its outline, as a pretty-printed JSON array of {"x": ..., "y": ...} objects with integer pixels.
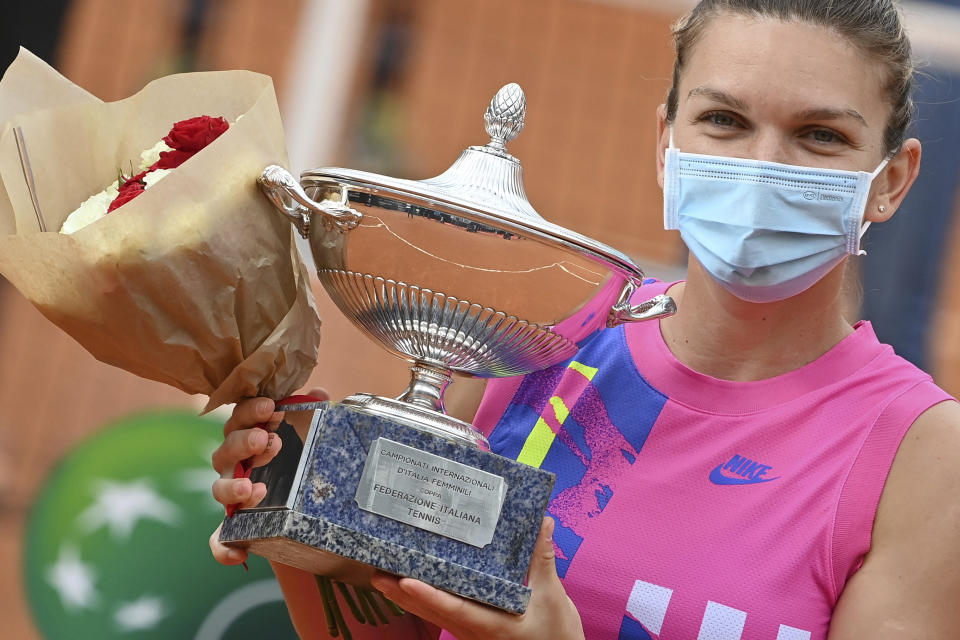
[{"x": 242, "y": 441}]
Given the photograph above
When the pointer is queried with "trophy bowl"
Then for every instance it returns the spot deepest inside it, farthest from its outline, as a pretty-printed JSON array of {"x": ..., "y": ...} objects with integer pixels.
[{"x": 454, "y": 274}]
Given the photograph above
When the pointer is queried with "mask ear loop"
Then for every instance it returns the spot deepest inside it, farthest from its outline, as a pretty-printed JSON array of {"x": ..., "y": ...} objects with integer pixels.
[
  {"x": 866, "y": 223},
  {"x": 671, "y": 186}
]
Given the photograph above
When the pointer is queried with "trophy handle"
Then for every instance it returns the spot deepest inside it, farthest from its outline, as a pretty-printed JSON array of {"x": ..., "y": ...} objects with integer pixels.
[
  {"x": 659, "y": 306},
  {"x": 286, "y": 194}
]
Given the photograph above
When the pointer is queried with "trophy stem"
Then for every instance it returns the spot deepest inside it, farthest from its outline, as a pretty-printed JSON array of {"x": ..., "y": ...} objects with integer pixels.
[
  {"x": 421, "y": 405},
  {"x": 428, "y": 381}
]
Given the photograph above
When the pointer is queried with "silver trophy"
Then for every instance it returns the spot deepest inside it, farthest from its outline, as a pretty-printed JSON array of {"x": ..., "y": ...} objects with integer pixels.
[{"x": 456, "y": 273}]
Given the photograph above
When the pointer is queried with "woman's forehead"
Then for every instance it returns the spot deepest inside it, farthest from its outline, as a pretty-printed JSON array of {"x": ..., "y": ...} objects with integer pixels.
[{"x": 770, "y": 64}]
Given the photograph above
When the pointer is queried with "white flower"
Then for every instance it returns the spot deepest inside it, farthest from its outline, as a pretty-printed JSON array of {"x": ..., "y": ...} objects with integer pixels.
[
  {"x": 152, "y": 155},
  {"x": 154, "y": 177},
  {"x": 95, "y": 207},
  {"x": 92, "y": 209}
]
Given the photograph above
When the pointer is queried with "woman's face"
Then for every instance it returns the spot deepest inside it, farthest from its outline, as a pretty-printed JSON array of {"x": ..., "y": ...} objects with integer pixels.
[{"x": 788, "y": 92}]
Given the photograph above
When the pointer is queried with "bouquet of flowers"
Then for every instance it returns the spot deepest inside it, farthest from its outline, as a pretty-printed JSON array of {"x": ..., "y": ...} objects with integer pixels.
[
  {"x": 177, "y": 270},
  {"x": 187, "y": 137}
]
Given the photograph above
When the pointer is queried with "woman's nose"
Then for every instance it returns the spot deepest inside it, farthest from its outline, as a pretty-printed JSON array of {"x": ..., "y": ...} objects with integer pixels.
[{"x": 769, "y": 146}]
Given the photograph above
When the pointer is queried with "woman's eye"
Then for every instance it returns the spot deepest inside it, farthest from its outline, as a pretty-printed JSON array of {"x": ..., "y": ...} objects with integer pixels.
[
  {"x": 720, "y": 119},
  {"x": 825, "y": 136}
]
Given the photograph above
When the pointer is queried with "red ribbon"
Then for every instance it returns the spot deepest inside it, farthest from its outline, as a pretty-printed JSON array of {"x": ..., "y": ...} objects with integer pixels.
[{"x": 243, "y": 468}]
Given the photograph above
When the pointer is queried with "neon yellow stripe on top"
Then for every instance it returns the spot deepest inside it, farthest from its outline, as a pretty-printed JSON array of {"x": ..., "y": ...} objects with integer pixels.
[
  {"x": 537, "y": 444},
  {"x": 559, "y": 409},
  {"x": 587, "y": 372}
]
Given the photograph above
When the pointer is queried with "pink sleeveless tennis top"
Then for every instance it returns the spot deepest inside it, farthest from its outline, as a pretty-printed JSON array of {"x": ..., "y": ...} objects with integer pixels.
[{"x": 689, "y": 507}]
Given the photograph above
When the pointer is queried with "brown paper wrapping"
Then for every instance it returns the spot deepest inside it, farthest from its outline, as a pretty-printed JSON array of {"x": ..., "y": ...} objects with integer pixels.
[{"x": 197, "y": 282}]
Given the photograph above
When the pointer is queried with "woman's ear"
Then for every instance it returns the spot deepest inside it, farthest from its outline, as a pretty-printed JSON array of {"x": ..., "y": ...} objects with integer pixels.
[
  {"x": 663, "y": 140},
  {"x": 893, "y": 183}
]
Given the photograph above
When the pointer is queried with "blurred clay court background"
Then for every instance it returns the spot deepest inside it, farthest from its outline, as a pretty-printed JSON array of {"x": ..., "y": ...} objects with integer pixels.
[{"x": 399, "y": 87}]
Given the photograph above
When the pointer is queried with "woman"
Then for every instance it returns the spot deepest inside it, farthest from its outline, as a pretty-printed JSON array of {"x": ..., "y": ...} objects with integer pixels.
[{"x": 744, "y": 469}]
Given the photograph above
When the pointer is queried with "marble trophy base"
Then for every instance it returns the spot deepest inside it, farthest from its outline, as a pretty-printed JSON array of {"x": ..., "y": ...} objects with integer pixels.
[{"x": 311, "y": 511}]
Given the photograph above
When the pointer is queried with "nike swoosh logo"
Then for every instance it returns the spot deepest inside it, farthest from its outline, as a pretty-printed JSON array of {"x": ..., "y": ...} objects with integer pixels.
[{"x": 718, "y": 478}]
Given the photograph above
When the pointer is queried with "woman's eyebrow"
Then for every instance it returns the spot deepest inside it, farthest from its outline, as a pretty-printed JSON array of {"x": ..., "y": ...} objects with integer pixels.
[
  {"x": 718, "y": 96},
  {"x": 830, "y": 113}
]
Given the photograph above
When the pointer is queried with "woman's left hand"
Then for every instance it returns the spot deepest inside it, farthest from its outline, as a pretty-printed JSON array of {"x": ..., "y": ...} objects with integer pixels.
[{"x": 550, "y": 614}]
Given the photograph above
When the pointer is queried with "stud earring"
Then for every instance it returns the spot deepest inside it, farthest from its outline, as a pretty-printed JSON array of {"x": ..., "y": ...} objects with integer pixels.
[{"x": 881, "y": 208}]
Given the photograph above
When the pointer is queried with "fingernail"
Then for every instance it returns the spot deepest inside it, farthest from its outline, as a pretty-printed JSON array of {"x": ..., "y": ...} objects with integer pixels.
[
  {"x": 254, "y": 438},
  {"x": 244, "y": 490},
  {"x": 263, "y": 405},
  {"x": 407, "y": 587}
]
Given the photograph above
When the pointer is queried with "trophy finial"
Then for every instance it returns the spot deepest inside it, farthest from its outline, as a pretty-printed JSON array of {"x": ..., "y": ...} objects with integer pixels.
[{"x": 504, "y": 116}]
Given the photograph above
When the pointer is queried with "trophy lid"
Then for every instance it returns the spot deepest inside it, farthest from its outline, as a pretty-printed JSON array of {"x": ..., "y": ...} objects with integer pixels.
[{"x": 487, "y": 181}]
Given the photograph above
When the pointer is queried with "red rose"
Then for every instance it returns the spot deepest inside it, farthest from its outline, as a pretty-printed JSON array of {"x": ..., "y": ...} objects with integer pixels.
[
  {"x": 130, "y": 190},
  {"x": 172, "y": 159},
  {"x": 186, "y": 138},
  {"x": 196, "y": 133}
]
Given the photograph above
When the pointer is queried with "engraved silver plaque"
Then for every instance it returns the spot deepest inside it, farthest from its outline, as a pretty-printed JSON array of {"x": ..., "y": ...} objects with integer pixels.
[{"x": 431, "y": 492}]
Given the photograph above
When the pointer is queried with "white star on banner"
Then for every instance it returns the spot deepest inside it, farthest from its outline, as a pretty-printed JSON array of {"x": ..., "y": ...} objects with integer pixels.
[
  {"x": 200, "y": 480},
  {"x": 143, "y": 613},
  {"x": 73, "y": 580},
  {"x": 120, "y": 505}
]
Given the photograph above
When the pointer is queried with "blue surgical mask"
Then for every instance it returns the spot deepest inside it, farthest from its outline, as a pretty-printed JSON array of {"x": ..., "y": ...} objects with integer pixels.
[{"x": 765, "y": 231}]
